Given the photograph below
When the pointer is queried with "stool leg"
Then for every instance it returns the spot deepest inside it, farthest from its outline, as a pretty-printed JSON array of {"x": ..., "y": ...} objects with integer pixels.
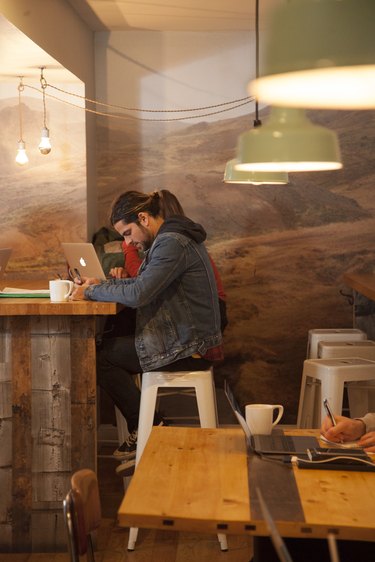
[
  {"x": 359, "y": 394},
  {"x": 206, "y": 404},
  {"x": 146, "y": 418},
  {"x": 333, "y": 390},
  {"x": 306, "y": 403},
  {"x": 223, "y": 541},
  {"x": 133, "y": 534}
]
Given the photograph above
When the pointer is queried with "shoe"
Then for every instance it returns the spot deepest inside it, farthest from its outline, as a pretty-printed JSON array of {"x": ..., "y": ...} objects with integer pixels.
[
  {"x": 128, "y": 449},
  {"x": 126, "y": 468}
]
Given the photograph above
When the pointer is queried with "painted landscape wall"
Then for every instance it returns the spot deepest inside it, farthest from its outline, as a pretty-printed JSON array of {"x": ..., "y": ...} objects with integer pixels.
[{"x": 281, "y": 251}]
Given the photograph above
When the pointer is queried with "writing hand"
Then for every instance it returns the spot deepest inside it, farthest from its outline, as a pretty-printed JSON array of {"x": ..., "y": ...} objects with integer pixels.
[{"x": 345, "y": 430}]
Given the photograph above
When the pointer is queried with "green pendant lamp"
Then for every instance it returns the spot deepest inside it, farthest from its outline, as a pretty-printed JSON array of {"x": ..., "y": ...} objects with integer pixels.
[
  {"x": 232, "y": 175},
  {"x": 319, "y": 54},
  {"x": 288, "y": 142}
]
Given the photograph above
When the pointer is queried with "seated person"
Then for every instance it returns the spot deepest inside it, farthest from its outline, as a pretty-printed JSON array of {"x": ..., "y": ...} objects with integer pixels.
[
  {"x": 176, "y": 299},
  {"x": 347, "y": 429}
]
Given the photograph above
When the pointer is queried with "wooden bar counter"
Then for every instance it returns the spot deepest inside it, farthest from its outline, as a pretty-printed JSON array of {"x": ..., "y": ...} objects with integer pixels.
[
  {"x": 47, "y": 413},
  {"x": 361, "y": 282}
]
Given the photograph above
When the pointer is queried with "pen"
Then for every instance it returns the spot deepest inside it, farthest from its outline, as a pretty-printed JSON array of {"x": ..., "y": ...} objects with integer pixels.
[{"x": 329, "y": 411}]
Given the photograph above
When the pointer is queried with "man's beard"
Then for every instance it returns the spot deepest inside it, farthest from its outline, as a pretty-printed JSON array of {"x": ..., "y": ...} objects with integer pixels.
[{"x": 147, "y": 242}]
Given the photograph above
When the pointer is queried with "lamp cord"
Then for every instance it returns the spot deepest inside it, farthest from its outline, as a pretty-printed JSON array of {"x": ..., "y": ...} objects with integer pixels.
[
  {"x": 257, "y": 121},
  {"x": 43, "y": 85},
  {"x": 21, "y": 87}
]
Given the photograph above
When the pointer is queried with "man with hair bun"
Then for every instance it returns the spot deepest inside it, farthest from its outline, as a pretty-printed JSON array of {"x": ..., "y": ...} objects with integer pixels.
[{"x": 178, "y": 324}]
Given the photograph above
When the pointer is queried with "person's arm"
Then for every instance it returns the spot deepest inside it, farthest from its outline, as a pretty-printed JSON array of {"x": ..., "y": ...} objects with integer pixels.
[
  {"x": 219, "y": 283},
  {"x": 166, "y": 263},
  {"x": 132, "y": 259},
  {"x": 346, "y": 429}
]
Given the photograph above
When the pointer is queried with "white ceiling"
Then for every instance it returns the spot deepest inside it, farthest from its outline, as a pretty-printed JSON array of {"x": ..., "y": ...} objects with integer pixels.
[
  {"x": 19, "y": 56},
  {"x": 172, "y": 15}
]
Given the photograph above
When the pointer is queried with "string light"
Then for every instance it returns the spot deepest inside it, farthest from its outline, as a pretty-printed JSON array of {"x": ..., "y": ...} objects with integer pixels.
[
  {"x": 45, "y": 144},
  {"x": 224, "y": 107},
  {"x": 21, "y": 157}
]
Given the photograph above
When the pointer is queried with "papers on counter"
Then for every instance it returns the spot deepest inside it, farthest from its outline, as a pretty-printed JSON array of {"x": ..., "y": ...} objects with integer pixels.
[
  {"x": 12, "y": 292},
  {"x": 346, "y": 445}
]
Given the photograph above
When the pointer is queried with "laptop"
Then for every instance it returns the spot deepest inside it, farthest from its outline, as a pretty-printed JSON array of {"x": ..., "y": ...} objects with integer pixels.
[
  {"x": 4, "y": 258},
  {"x": 82, "y": 258},
  {"x": 275, "y": 444}
]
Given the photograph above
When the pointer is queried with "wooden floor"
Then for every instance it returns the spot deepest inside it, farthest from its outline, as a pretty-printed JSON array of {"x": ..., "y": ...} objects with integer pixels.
[{"x": 152, "y": 546}]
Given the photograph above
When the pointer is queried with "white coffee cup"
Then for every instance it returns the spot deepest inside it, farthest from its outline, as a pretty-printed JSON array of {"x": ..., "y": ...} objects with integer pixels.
[
  {"x": 259, "y": 417},
  {"x": 60, "y": 290}
]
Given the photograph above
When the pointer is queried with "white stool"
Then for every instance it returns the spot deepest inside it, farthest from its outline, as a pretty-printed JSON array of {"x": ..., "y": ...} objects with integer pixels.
[
  {"x": 339, "y": 334},
  {"x": 332, "y": 374},
  {"x": 364, "y": 349},
  {"x": 203, "y": 383}
]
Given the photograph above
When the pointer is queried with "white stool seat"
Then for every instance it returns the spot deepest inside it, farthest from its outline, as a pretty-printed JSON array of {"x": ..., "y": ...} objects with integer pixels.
[
  {"x": 337, "y": 334},
  {"x": 338, "y": 349},
  {"x": 203, "y": 383},
  {"x": 332, "y": 374},
  {"x": 358, "y": 392}
]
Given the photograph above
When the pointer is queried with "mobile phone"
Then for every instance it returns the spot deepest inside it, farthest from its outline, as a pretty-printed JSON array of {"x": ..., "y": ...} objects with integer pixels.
[
  {"x": 329, "y": 411},
  {"x": 78, "y": 275}
]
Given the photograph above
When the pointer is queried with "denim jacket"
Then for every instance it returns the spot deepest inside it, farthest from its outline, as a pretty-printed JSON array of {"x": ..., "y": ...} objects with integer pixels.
[{"x": 175, "y": 295}]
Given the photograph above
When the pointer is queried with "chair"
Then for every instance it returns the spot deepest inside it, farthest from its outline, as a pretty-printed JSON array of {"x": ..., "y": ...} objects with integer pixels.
[
  {"x": 82, "y": 514},
  {"x": 332, "y": 374},
  {"x": 203, "y": 383}
]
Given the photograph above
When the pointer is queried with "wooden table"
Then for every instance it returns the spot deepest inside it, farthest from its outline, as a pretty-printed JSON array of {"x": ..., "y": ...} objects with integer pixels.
[
  {"x": 193, "y": 479},
  {"x": 361, "y": 282},
  {"x": 47, "y": 413}
]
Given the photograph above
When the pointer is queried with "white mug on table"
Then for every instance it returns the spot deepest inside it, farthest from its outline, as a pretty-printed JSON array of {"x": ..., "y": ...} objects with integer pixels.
[
  {"x": 60, "y": 290},
  {"x": 259, "y": 417}
]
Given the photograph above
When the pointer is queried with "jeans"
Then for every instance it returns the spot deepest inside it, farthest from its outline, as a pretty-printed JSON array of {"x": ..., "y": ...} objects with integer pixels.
[{"x": 117, "y": 361}]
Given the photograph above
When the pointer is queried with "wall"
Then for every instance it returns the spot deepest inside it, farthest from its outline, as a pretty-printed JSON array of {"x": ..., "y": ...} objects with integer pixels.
[
  {"x": 281, "y": 250},
  {"x": 57, "y": 29}
]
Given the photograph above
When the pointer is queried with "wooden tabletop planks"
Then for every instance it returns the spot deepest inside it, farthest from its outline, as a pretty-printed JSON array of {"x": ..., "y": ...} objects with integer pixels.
[
  {"x": 194, "y": 479},
  {"x": 189, "y": 491}
]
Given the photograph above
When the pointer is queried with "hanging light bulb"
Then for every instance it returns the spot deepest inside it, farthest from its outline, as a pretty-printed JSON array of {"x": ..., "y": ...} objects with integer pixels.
[
  {"x": 319, "y": 54},
  {"x": 288, "y": 142},
  {"x": 21, "y": 157},
  {"x": 45, "y": 143}
]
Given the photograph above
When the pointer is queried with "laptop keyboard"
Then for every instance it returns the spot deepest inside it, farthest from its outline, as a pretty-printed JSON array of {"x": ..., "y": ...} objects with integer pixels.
[{"x": 278, "y": 443}]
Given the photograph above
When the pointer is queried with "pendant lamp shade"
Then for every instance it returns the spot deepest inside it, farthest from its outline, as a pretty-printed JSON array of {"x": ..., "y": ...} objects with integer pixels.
[
  {"x": 319, "y": 54},
  {"x": 288, "y": 142},
  {"x": 231, "y": 175}
]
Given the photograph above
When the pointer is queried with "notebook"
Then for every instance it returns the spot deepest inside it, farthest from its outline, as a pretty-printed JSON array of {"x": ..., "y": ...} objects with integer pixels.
[
  {"x": 275, "y": 444},
  {"x": 82, "y": 257},
  {"x": 4, "y": 257}
]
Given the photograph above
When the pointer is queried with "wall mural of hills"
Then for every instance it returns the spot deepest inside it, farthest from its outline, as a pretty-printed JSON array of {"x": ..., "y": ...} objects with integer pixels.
[{"x": 281, "y": 251}]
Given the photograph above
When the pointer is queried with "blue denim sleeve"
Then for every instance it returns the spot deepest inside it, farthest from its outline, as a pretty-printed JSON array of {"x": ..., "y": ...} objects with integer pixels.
[{"x": 166, "y": 261}]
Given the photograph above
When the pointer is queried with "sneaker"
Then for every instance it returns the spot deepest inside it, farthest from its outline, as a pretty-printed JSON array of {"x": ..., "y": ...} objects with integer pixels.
[
  {"x": 126, "y": 468},
  {"x": 128, "y": 449}
]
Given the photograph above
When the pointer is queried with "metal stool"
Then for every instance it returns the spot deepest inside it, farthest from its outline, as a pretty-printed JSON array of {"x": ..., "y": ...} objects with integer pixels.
[
  {"x": 203, "y": 383},
  {"x": 332, "y": 374},
  {"x": 339, "y": 334},
  {"x": 364, "y": 349}
]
